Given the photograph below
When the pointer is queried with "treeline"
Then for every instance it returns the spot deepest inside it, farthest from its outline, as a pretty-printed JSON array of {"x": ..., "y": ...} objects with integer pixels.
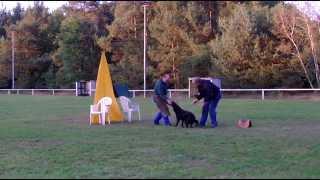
[{"x": 264, "y": 44}]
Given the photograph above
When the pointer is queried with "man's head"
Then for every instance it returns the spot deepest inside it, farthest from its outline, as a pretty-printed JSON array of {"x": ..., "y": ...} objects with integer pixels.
[
  {"x": 196, "y": 80},
  {"x": 165, "y": 76}
]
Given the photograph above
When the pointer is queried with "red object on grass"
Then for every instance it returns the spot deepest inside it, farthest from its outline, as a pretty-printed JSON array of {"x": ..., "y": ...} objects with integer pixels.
[{"x": 244, "y": 123}]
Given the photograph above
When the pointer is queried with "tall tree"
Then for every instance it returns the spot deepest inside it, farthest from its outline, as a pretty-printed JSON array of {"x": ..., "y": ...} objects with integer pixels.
[
  {"x": 125, "y": 42},
  {"x": 17, "y": 15},
  {"x": 5, "y": 66},
  {"x": 78, "y": 53},
  {"x": 292, "y": 27},
  {"x": 245, "y": 53}
]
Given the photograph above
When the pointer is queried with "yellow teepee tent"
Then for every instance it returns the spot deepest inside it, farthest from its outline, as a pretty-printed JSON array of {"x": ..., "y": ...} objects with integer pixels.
[{"x": 104, "y": 88}]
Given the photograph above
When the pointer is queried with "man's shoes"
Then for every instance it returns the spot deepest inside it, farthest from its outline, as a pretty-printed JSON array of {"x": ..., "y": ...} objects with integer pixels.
[
  {"x": 202, "y": 126},
  {"x": 214, "y": 126}
]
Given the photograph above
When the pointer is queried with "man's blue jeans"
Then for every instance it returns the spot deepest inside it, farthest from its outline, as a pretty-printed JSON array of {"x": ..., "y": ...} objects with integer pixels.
[
  {"x": 159, "y": 116},
  {"x": 210, "y": 107}
]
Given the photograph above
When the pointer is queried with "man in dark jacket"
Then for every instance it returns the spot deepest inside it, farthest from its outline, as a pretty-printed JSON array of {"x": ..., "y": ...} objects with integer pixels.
[
  {"x": 161, "y": 99},
  {"x": 212, "y": 95}
]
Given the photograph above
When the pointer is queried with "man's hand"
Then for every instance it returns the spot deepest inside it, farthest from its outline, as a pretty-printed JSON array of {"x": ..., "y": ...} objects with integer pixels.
[
  {"x": 194, "y": 101},
  {"x": 169, "y": 101}
]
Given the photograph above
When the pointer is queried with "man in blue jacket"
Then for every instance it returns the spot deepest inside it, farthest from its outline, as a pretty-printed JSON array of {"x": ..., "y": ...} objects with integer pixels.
[
  {"x": 212, "y": 95},
  {"x": 161, "y": 99}
]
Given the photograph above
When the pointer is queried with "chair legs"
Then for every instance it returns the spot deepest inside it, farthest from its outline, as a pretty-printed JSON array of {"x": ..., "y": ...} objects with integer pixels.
[
  {"x": 90, "y": 121},
  {"x": 109, "y": 119},
  {"x": 102, "y": 118},
  {"x": 139, "y": 115},
  {"x": 129, "y": 116}
]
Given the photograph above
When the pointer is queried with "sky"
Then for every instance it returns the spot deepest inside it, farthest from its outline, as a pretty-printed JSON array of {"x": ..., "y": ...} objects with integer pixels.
[
  {"x": 302, "y": 6},
  {"x": 52, "y": 5}
]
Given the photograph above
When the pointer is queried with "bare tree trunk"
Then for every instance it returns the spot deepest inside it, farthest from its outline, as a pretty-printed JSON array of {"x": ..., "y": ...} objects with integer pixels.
[
  {"x": 135, "y": 27},
  {"x": 290, "y": 37},
  {"x": 174, "y": 73},
  {"x": 302, "y": 64},
  {"x": 176, "y": 84},
  {"x": 315, "y": 59}
]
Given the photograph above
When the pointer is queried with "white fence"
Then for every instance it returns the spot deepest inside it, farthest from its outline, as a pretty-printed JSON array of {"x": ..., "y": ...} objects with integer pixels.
[
  {"x": 35, "y": 91},
  {"x": 261, "y": 92}
]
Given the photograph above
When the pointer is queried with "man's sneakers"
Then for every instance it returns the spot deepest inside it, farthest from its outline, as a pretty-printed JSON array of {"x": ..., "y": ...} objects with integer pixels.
[
  {"x": 166, "y": 124},
  {"x": 212, "y": 126}
]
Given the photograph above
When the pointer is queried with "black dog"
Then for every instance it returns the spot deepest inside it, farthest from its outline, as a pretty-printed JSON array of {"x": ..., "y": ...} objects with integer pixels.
[{"x": 186, "y": 117}]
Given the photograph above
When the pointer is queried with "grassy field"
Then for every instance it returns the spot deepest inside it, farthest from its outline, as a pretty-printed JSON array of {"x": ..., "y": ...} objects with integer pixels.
[{"x": 49, "y": 137}]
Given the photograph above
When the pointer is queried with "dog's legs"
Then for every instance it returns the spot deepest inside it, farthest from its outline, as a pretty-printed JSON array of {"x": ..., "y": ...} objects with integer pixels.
[
  {"x": 182, "y": 124},
  {"x": 177, "y": 122},
  {"x": 197, "y": 123}
]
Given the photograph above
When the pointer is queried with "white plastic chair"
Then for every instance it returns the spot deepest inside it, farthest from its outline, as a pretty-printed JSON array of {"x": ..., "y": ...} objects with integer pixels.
[
  {"x": 102, "y": 109},
  {"x": 129, "y": 106}
]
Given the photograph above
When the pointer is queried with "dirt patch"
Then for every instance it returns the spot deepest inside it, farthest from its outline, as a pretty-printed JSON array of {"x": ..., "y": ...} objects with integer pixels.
[
  {"x": 149, "y": 151},
  {"x": 199, "y": 163},
  {"x": 37, "y": 143},
  {"x": 306, "y": 96},
  {"x": 77, "y": 119},
  {"x": 84, "y": 119},
  {"x": 303, "y": 128}
]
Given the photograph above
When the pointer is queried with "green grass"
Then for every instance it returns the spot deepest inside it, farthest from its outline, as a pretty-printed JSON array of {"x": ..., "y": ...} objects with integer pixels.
[{"x": 49, "y": 137}]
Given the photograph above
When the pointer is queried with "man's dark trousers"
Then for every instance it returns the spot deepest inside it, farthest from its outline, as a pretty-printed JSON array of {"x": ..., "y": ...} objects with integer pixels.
[{"x": 210, "y": 107}]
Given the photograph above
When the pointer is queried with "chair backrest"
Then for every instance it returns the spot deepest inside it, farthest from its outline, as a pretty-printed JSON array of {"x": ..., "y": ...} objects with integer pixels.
[
  {"x": 94, "y": 108},
  {"x": 122, "y": 90},
  {"x": 125, "y": 103},
  {"x": 105, "y": 102}
]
